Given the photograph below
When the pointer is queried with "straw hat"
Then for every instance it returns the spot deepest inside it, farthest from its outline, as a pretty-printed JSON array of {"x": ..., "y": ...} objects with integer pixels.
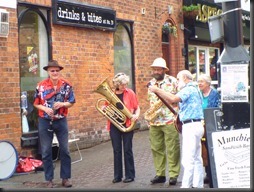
[{"x": 160, "y": 62}]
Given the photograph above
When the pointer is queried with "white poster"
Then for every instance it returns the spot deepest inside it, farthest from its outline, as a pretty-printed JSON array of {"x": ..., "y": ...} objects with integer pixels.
[
  {"x": 234, "y": 83},
  {"x": 8, "y": 3},
  {"x": 232, "y": 158}
]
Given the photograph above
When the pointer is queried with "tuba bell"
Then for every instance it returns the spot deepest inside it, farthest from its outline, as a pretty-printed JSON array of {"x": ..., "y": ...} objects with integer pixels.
[{"x": 115, "y": 111}]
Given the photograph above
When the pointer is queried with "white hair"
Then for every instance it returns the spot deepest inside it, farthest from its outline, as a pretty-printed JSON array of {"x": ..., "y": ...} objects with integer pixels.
[
  {"x": 206, "y": 78},
  {"x": 186, "y": 74},
  {"x": 120, "y": 78}
]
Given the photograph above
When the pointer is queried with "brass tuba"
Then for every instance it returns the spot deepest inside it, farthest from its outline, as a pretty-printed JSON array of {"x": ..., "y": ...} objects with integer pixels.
[{"x": 116, "y": 111}]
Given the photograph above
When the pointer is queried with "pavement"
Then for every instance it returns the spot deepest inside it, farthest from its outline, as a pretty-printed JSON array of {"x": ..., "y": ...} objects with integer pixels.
[{"x": 95, "y": 171}]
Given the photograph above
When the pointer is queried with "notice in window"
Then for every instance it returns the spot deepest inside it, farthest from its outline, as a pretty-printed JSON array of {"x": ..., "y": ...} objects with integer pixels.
[{"x": 234, "y": 83}]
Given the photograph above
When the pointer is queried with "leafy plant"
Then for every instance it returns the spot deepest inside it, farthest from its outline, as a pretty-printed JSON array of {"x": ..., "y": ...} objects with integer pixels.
[
  {"x": 169, "y": 28},
  {"x": 189, "y": 8}
]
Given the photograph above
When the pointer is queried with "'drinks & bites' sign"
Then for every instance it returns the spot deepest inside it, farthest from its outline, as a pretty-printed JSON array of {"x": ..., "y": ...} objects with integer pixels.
[{"x": 83, "y": 15}]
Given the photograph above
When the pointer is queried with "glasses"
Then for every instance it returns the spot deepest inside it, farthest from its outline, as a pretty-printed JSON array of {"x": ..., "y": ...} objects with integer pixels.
[{"x": 52, "y": 71}]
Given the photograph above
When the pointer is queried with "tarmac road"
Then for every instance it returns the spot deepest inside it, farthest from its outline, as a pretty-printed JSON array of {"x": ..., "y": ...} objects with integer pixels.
[{"x": 95, "y": 171}]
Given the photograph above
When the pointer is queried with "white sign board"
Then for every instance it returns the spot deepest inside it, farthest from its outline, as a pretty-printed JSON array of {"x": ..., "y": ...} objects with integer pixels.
[
  {"x": 223, "y": 1},
  {"x": 216, "y": 28},
  {"x": 234, "y": 83},
  {"x": 8, "y": 3},
  {"x": 232, "y": 156},
  {"x": 245, "y": 4}
]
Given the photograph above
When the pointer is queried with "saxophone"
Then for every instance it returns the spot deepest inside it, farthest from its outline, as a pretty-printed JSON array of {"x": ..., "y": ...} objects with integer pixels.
[{"x": 152, "y": 113}]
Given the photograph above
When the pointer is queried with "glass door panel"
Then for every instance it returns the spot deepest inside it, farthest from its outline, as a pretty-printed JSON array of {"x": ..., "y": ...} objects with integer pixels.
[{"x": 33, "y": 56}]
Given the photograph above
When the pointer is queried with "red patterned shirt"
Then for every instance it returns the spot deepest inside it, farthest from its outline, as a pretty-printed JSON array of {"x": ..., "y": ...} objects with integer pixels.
[{"x": 46, "y": 95}]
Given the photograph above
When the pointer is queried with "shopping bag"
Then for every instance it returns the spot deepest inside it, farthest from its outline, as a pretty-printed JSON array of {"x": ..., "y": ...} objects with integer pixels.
[{"x": 27, "y": 164}]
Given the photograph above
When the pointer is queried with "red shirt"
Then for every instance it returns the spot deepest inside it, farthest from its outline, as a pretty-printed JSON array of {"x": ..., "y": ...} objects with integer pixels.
[
  {"x": 46, "y": 95},
  {"x": 131, "y": 103}
]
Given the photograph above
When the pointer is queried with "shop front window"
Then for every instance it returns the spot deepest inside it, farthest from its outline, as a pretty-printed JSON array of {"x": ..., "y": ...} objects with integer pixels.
[
  {"x": 202, "y": 60},
  {"x": 33, "y": 55},
  {"x": 123, "y": 58}
]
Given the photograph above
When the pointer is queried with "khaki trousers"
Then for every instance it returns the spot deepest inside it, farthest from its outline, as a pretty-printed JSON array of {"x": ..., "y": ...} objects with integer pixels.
[{"x": 165, "y": 146}]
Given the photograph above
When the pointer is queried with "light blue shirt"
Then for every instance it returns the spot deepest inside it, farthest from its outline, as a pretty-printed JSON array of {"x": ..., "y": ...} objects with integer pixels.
[{"x": 191, "y": 103}]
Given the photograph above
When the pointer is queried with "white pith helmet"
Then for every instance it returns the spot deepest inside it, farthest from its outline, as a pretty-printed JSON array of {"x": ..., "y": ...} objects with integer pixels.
[{"x": 160, "y": 62}]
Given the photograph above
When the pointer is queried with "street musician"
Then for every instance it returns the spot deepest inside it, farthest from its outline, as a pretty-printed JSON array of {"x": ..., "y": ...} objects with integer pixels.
[{"x": 122, "y": 110}]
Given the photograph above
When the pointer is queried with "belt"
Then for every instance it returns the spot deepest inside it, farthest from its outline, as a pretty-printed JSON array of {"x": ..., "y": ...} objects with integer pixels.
[{"x": 191, "y": 120}]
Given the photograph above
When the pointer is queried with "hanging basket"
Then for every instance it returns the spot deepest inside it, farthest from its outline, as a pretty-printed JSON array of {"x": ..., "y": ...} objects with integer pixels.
[
  {"x": 168, "y": 28},
  {"x": 190, "y": 14},
  {"x": 165, "y": 31}
]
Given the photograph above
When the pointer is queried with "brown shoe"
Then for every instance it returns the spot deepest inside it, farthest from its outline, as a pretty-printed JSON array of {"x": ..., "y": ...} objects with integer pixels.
[
  {"x": 66, "y": 183},
  {"x": 206, "y": 180},
  {"x": 49, "y": 184}
]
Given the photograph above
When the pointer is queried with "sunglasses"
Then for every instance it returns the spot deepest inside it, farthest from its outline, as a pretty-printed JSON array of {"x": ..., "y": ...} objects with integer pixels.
[
  {"x": 52, "y": 71},
  {"x": 120, "y": 74}
]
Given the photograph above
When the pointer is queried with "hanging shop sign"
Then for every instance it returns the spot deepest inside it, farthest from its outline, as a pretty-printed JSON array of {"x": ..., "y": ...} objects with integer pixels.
[{"x": 83, "y": 15}]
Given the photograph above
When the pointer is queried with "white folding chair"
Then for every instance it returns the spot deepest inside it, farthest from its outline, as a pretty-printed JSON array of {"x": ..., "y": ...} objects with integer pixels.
[{"x": 72, "y": 139}]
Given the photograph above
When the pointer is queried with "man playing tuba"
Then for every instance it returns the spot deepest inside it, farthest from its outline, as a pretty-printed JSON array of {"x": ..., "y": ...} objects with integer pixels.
[{"x": 164, "y": 138}]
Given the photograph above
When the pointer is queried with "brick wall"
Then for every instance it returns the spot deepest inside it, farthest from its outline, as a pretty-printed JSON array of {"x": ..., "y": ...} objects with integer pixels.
[
  {"x": 10, "y": 121},
  {"x": 87, "y": 56}
]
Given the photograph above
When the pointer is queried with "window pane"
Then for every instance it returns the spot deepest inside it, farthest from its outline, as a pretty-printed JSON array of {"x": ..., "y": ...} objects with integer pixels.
[
  {"x": 192, "y": 59},
  {"x": 122, "y": 52},
  {"x": 202, "y": 61},
  {"x": 213, "y": 58},
  {"x": 33, "y": 49}
]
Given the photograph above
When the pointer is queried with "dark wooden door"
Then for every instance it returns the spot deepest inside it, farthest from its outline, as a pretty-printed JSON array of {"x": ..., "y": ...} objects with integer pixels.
[{"x": 165, "y": 53}]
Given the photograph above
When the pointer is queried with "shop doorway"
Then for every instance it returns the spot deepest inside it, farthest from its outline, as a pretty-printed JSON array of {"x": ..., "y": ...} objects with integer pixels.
[{"x": 33, "y": 56}]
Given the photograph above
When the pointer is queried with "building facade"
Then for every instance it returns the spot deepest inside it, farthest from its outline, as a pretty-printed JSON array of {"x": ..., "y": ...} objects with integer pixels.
[
  {"x": 92, "y": 40},
  {"x": 201, "y": 54}
]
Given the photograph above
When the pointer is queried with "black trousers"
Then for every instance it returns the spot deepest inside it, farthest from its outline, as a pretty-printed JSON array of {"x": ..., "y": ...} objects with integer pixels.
[{"x": 122, "y": 141}]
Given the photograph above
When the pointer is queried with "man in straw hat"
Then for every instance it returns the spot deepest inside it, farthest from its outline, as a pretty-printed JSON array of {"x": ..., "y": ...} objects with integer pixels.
[
  {"x": 164, "y": 137},
  {"x": 53, "y": 97}
]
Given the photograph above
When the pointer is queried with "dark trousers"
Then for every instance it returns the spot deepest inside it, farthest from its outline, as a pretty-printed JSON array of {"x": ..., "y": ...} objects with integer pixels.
[
  {"x": 60, "y": 128},
  {"x": 122, "y": 141}
]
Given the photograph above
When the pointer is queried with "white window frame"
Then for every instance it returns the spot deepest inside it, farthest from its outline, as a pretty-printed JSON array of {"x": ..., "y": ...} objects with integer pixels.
[{"x": 207, "y": 60}]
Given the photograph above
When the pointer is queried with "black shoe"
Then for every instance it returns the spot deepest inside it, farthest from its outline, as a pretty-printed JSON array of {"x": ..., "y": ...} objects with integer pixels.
[
  {"x": 206, "y": 180},
  {"x": 116, "y": 180},
  {"x": 128, "y": 180},
  {"x": 172, "y": 181},
  {"x": 158, "y": 179}
]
